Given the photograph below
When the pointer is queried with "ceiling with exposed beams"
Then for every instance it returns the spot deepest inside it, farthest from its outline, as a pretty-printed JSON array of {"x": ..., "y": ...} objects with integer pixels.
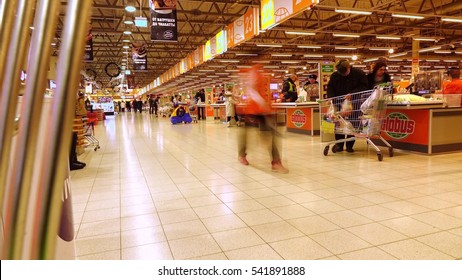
[{"x": 199, "y": 20}]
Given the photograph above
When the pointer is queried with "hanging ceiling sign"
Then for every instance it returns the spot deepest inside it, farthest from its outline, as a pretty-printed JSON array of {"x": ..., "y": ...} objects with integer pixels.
[
  {"x": 274, "y": 12},
  {"x": 163, "y": 21},
  {"x": 140, "y": 56}
]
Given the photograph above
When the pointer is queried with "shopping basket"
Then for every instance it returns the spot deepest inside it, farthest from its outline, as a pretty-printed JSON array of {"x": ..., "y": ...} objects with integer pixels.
[{"x": 358, "y": 115}]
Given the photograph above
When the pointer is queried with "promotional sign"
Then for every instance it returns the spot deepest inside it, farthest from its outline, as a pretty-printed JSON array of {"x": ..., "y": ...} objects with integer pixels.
[
  {"x": 140, "y": 56},
  {"x": 221, "y": 45},
  {"x": 326, "y": 71},
  {"x": 251, "y": 24},
  {"x": 207, "y": 51},
  {"x": 163, "y": 21},
  {"x": 230, "y": 35},
  {"x": 297, "y": 118},
  {"x": 408, "y": 126},
  {"x": 277, "y": 11},
  {"x": 267, "y": 14},
  {"x": 131, "y": 81}
]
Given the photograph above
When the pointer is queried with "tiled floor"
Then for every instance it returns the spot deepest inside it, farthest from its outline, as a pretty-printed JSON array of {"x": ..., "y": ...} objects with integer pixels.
[{"x": 158, "y": 191}]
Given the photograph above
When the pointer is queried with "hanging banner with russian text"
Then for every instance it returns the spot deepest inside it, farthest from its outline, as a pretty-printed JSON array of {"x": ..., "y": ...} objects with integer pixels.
[{"x": 163, "y": 21}]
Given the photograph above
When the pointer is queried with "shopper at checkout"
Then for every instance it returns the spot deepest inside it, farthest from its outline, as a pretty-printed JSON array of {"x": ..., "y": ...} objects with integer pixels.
[
  {"x": 289, "y": 89},
  {"x": 379, "y": 75},
  {"x": 344, "y": 81},
  {"x": 455, "y": 86}
]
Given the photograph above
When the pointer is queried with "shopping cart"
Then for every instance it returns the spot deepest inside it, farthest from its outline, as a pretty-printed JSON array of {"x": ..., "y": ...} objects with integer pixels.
[
  {"x": 357, "y": 115},
  {"x": 89, "y": 132}
]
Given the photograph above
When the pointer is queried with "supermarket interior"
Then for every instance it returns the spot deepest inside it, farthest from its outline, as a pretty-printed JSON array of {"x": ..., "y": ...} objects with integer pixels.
[{"x": 231, "y": 130}]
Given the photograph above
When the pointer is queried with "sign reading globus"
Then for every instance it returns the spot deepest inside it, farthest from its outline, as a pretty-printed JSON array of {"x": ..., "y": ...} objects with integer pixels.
[
  {"x": 398, "y": 126},
  {"x": 298, "y": 118}
]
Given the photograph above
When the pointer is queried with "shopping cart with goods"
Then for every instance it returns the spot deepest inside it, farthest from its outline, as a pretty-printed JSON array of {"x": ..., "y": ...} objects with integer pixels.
[{"x": 358, "y": 115}]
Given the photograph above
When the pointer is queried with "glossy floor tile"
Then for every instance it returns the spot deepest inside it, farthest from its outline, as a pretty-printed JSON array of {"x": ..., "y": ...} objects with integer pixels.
[{"x": 160, "y": 191}]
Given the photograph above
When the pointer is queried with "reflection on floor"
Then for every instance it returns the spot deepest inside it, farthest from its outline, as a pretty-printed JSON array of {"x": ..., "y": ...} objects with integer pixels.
[{"x": 158, "y": 191}]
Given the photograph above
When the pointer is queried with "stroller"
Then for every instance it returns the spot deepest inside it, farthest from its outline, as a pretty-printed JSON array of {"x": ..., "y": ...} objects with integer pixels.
[{"x": 180, "y": 115}]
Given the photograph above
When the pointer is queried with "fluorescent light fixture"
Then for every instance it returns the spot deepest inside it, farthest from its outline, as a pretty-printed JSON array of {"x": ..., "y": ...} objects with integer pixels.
[
  {"x": 130, "y": 9},
  {"x": 379, "y": 49},
  {"x": 141, "y": 22},
  {"x": 429, "y": 49},
  {"x": 127, "y": 32},
  {"x": 432, "y": 60},
  {"x": 206, "y": 70},
  {"x": 127, "y": 72},
  {"x": 279, "y": 70},
  {"x": 345, "y": 48},
  {"x": 342, "y": 56},
  {"x": 222, "y": 73},
  {"x": 53, "y": 44},
  {"x": 452, "y": 19},
  {"x": 128, "y": 21},
  {"x": 126, "y": 47},
  {"x": 126, "y": 41},
  {"x": 271, "y": 67},
  {"x": 261, "y": 61},
  {"x": 231, "y": 70},
  {"x": 388, "y": 37},
  {"x": 371, "y": 59},
  {"x": 313, "y": 55},
  {"x": 125, "y": 52},
  {"x": 308, "y": 47},
  {"x": 229, "y": 60},
  {"x": 217, "y": 66},
  {"x": 282, "y": 54},
  {"x": 440, "y": 67},
  {"x": 296, "y": 32},
  {"x": 398, "y": 54},
  {"x": 269, "y": 45},
  {"x": 426, "y": 39},
  {"x": 450, "y": 60},
  {"x": 443, "y": 51},
  {"x": 246, "y": 54},
  {"x": 357, "y": 12},
  {"x": 407, "y": 16},
  {"x": 289, "y": 61},
  {"x": 346, "y": 35},
  {"x": 243, "y": 66}
]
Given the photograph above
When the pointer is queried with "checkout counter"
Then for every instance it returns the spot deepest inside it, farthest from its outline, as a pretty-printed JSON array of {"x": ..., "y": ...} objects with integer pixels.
[
  {"x": 300, "y": 117},
  {"x": 426, "y": 127}
]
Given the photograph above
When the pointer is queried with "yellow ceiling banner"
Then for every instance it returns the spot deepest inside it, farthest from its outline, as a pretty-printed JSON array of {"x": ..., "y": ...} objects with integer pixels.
[{"x": 267, "y": 14}]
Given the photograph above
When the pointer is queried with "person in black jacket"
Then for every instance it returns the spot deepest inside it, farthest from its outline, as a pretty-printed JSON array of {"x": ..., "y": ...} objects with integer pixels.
[
  {"x": 344, "y": 81},
  {"x": 289, "y": 89},
  {"x": 379, "y": 75},
  {"x": 200, "y": 98}
]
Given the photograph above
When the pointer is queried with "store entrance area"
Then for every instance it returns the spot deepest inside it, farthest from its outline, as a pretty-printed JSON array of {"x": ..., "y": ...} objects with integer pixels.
[{"x": 160, "y": 191}]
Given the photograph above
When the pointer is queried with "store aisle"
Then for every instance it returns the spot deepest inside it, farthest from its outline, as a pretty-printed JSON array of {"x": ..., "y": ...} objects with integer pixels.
[{"x": 157, "y": 191}]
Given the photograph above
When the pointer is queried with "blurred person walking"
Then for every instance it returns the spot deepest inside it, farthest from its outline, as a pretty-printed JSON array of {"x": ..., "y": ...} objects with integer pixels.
[{"x": 258, "y": 105}]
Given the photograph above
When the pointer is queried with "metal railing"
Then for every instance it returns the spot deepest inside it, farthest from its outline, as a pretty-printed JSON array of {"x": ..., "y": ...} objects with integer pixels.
[{"x": 18, "y": 162}]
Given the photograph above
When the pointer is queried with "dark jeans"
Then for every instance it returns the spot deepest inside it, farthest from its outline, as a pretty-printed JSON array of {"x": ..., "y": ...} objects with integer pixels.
[
  {"x": 349, "y": 144},
  {"x": 201, "y": 113}
]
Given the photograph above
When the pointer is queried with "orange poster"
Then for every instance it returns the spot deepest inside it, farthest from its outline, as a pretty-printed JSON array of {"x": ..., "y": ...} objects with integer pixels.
[
  {"x": 300, "y": 5},
  {"x": 250, "y": 24},
  {"x": 407, "y": 126},
  {"x": 230, "y": 35}
]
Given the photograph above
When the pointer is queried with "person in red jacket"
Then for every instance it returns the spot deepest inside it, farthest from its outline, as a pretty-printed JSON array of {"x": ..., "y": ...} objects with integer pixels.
[
  {"x": 455, "y": 86},
  {"x": 258, "y": 105}
]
